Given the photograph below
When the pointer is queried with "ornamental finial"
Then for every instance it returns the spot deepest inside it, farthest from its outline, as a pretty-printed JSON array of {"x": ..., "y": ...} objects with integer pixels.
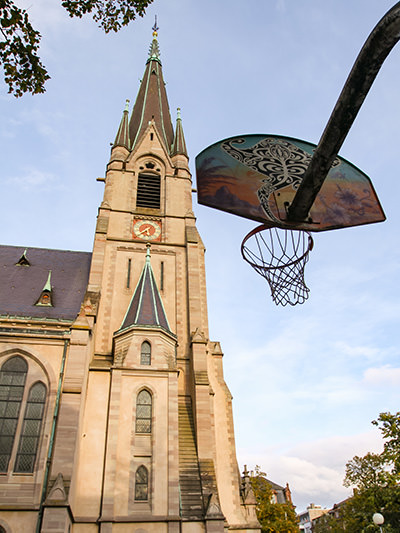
[{"x": 155, "y": 28}]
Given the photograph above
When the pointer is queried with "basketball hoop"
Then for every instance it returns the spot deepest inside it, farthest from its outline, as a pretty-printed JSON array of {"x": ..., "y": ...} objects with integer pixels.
[{"x": 280, "y": 255}]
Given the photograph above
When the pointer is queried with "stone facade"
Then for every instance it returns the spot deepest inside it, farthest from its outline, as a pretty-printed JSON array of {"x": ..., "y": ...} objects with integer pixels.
[{"x": 136, "y": 432}]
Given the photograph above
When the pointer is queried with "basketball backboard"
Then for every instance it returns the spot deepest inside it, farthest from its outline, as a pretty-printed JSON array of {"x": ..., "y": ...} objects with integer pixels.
[{"x": 257, "y": 176}]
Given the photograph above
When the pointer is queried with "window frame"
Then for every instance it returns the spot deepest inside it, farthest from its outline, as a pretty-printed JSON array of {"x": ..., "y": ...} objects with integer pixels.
[
  {"x": 142, "y": 484},
  {"x": 33, "y": 376},
  {"x": 154, "y": 190},
  {"x": 145, "y": 357},
  {"x": 146, "y": 428}
]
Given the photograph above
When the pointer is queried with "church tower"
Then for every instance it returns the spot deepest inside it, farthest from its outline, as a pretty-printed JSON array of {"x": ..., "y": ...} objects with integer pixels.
[{"x": 138, "y": 428}]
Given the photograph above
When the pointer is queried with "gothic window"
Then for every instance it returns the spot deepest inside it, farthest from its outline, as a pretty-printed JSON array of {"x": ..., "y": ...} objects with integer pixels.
[
  {"x": 21, "y": 414},
  {"x": 148, "y": 191},
  {"x": 30, "y": 433},
  {"x": 141, "y": 484},
  {"x": 12, "y": 384},
  {"x": 143, "y": 412},
  {"x": 145, "y": 353}
]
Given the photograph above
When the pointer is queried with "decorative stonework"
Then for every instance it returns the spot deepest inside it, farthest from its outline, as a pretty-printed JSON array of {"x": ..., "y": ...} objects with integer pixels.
[
  {"x": 120, "y": 355},
  {"x": 57, "y": 494},
  {"x": 91, "y": 302},
  {"x": 198, "y": 336}
]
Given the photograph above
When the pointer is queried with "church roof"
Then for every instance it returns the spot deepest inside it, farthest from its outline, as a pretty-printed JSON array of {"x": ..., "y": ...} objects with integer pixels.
[
  {"x": 146, "y": 307},
  {"x": 152, "y": 102},
  {"x": 22, "y": 282}
]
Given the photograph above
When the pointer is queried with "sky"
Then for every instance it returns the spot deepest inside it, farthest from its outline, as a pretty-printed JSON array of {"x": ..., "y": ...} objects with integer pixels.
[{"x": 308, "y": 380}]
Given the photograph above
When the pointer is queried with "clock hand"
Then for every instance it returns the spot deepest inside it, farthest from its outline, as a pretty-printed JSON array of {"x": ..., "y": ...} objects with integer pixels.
[{"x": 144, "y": 231}]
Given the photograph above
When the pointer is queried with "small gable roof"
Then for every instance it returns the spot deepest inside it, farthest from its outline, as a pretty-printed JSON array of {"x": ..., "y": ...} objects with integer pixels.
[
  {"x": 146, "y": 307},
  {"x": 22, "y": 284}
]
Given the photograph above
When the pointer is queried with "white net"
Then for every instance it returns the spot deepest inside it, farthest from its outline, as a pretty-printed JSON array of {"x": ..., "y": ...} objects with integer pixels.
[{"x": 280, "y": 255}]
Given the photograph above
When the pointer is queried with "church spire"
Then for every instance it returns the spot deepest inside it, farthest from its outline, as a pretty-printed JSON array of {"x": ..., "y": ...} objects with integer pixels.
[
  {"x": 152, "y": 102},
  {"x": 122, "y": 137},
  {"x": 146, "y": 308},
  {"x": 179, "y": 145}
]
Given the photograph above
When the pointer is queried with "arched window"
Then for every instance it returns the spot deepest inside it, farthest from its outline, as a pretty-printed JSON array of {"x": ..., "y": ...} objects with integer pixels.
[
  {"x": 15, "y": 390},
  {"x": 143, "y": 412},
  {"x": 142, "y": 484},
  {"x": 145, "y": 353},
  {"x": 30, "y": 433},
  {"x": 12, "y": 384}
]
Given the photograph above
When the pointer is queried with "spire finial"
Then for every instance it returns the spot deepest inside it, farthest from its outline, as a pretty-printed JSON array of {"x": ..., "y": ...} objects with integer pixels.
[
  {"x": 148, "y": 246},
  {"x": 155, "y": 28},
  {"x": 178, "y": 113},
  {"x": 127, "y": 105}
]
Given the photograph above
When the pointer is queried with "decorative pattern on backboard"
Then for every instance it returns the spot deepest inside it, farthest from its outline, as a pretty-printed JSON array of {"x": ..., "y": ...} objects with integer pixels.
[{"x": 257, "y": 176}]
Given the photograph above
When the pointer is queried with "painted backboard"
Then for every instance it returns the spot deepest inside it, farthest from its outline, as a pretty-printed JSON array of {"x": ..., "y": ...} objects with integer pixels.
[{"x": 257, "y": 176}]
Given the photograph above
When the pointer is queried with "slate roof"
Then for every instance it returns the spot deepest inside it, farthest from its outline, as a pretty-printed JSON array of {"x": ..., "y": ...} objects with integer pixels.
[
  {"x": 146, "y": 308},
  {"x": 22, "y": 285},
  {"x": 152, "y": 102}
]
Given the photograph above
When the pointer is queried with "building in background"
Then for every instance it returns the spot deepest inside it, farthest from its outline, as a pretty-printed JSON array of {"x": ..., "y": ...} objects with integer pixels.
[
  {"x": 311, "y": 514},
  {"x": 114, "y": 412}
]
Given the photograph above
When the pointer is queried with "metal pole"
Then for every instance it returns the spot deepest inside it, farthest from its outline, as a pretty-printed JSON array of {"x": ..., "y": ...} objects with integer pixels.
[{"x": 365, "y": 69}]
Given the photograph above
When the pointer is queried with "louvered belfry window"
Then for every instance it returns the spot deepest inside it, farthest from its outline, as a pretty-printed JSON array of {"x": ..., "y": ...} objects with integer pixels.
[
  {"x": 29, "y": 439},
  {"x": 148, "y": 191},
  {"x": 143, "y": 412},
  {"x": 12, "y": 384}
]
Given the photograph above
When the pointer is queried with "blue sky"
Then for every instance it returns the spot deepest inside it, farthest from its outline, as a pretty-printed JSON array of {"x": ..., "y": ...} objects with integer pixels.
[{"x": 307, "y": 380}]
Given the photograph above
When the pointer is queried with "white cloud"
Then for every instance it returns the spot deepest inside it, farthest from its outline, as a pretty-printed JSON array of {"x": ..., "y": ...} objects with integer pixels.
[
  {"x": 384, "y": 375},
  {"x": 366, "y": 352},
  {"x": 33, "y": 179},
  {"x": 314, "y": 469}
]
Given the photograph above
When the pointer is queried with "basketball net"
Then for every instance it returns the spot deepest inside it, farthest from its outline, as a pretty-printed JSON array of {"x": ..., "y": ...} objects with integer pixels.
[{"x": 280, "y": 255}]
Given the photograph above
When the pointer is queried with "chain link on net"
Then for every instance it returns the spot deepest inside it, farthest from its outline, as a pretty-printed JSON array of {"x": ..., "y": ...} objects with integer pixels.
[{"x": 280, "y": 256}]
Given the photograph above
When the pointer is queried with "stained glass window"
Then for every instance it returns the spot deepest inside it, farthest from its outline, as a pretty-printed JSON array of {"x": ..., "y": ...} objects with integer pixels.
[
  {"x": 145, "y": 354},
  {"x": 141, "y": 484},
  {"x": 143, "y": 412},
  {"x": 12, "y": 384},
  {"x": 30, "y": 433}
]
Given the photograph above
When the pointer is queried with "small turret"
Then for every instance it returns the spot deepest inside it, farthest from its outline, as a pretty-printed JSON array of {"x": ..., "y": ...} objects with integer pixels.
[
  {"x": 179, "y": 144},
  {"x": 122, "y": 137}
]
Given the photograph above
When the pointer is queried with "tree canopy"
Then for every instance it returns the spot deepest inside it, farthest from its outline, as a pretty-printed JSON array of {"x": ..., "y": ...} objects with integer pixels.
[
  {"x": 19, "y": 41},
  {"x": 273, "y": 517},
  {"x": 376, "y": 482}
]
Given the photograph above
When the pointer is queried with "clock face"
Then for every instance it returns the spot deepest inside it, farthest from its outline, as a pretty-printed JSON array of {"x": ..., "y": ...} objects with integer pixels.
[{"x": 148, "y": 230}]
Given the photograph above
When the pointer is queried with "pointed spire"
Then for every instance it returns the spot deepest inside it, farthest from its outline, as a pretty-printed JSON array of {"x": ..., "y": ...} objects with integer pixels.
[
  {"x": 122, "y": 138},
  {"x": 152, "y": 102},
  {"x": 179, "y": 145},
  {"x": 146, "y": 307},
  {"x": 45, "y": 298}
]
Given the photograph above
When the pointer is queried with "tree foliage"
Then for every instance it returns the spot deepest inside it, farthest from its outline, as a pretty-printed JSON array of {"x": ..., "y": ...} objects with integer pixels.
[
  {"x": 273, "y": 517},
  {"x": 376, "y": 479},
  {"x": 19, "y": 41}
]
